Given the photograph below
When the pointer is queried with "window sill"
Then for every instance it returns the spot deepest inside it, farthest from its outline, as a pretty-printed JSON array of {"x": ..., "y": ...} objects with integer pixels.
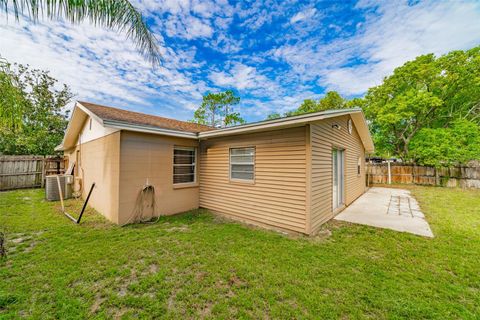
[
  {"x": 186, "y": 185},
  {"x": 240, "y": 181}
]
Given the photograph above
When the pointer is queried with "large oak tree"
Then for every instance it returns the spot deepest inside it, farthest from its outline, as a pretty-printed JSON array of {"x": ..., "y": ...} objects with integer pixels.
[
  {"x": 426, "y": 93},
  {"x": 32, "y": 115}
]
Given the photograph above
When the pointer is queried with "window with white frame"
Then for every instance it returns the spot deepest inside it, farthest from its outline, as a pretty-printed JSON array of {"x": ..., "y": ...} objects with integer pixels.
[
  {"x": 184, "y": 167},
  {"x": 242, "y": 164}
]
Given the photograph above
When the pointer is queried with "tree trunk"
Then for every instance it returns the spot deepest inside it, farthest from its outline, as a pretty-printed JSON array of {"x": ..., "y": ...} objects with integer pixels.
[
  {"x": 399, "y": 151},
  {"x": 213, "y": 117},
  {"x": 226, "y": 117}
]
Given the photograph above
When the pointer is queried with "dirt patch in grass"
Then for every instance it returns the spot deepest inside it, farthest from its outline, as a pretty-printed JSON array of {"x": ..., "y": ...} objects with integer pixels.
[
  {"x": 96, "y": 304},
  {"x": 21, "y": 242},
  {"x": 119, "y": 313},
  {"x": 153, "y": 268},
  {"x": 235, "y": 281},
  {"x": 322, "y": 235},
  {"x": 182, "y": 228}
]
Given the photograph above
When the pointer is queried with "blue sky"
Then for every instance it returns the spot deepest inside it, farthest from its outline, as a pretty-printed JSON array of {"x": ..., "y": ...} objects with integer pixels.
[{"x": 273, "y": 54}]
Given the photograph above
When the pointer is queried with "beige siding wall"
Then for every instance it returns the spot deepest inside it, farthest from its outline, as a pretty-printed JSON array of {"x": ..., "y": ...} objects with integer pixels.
[
  {"x": 293, "y": 174},
  {"x": 98, "y": 161},
  {"x": 148, "y": 156},
  {"x": 277, "y": 197},
  {"x": 323, "y": 139}
]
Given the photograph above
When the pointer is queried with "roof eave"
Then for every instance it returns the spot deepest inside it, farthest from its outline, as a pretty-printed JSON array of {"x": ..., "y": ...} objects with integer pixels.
[
  {"x": 278, "y": 123},
  {"x": 294, "y": 121},
  {"x": 148, "y": 129},
  {"x": 300, "y": 120}
]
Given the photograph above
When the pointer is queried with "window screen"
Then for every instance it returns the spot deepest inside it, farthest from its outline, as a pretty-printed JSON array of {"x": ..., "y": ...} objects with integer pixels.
[
  {"x": 183, "y": 165},
  {"x": 242, "y": 163}
]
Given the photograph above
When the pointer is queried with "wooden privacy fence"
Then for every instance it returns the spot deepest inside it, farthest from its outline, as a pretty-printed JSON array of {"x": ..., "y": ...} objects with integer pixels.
[
  {"x": 464, "y": 177},
  {"x": 18, "y": 172}
]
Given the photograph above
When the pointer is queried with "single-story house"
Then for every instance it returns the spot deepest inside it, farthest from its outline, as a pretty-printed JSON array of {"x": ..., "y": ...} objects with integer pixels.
[{"x": 291, "y": 173}]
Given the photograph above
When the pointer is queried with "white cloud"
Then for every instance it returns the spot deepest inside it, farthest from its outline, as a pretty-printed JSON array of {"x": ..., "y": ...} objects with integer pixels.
[
  {"x": 204, "y": 8},
  {"x": 311, "y": 50},
  {"x": 225, "y": 44},
  {"x": 354, "y": 80},
  {"x": 280, "y": 103},
  {"x": 256, "y": 14},
  {"x": 393, "y": 33},
  {"x": 240, "y": 77},
  {"x": 188, "y": 19},
  {"x": 197, "y": 28},
  {"x": 101, "y": 66},
  {"x": 303, "y": 15},
  {"x": 188, "y": 27}
]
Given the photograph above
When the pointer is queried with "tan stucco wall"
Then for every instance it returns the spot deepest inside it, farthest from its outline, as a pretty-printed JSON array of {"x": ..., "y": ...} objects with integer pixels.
[
  {"x": 99, "y": 162},
  {"x": 277, "y": 196},
  {"x": 148, "y": 156},
  {"x": 323, "y": 138}
]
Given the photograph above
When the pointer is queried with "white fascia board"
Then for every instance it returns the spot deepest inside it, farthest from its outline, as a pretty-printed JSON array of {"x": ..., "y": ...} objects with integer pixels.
[
  {"x": 277, "y": 123},
  {"x": 147, "y": 129},
  {"x": 69, "y": 125},
  {"x": 90, "y": 113},
  {"x": 67, "y": 129},
  {"x": 364, "y": 132}
]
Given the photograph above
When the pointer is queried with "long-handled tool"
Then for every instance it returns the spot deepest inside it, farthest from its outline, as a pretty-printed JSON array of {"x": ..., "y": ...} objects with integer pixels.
[{"x": 77, "y": 221}]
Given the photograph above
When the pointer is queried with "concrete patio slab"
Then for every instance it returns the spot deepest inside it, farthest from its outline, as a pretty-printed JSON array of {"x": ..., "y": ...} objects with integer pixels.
[{"x": 394, "y": 209}]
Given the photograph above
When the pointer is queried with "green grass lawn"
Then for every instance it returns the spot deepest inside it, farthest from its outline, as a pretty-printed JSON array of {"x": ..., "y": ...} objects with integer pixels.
[{"x": 197, "y": 266}]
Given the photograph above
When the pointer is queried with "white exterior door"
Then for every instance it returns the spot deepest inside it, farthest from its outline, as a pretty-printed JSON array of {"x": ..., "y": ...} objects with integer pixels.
[{"x": 338, "y": 177}]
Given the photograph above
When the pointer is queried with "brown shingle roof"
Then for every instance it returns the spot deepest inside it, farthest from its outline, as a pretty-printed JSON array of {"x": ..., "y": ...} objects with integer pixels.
[{"x": 109, "y": 113}]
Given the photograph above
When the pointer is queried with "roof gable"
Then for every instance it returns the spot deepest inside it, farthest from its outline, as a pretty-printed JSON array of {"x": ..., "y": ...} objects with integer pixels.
[{"x": 130, "y": 117}]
